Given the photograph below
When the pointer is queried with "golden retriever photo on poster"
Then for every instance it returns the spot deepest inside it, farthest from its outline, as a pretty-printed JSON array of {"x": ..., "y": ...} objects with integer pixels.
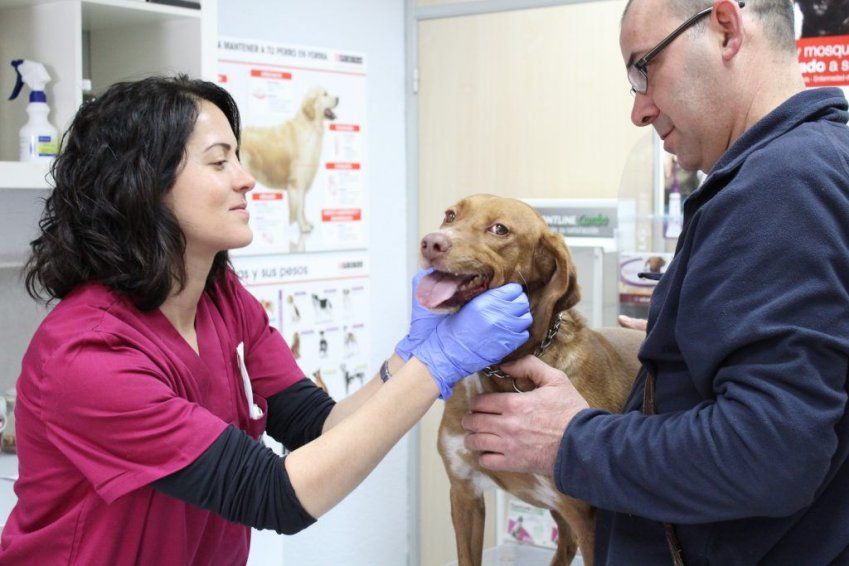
[{"x": 286, "y": 157}]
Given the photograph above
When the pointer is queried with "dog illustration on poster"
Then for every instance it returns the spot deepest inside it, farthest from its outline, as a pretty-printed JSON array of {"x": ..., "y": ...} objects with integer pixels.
[
  {"x": 351, "y": 376},
  {"x": 323, "y": 308},
  {"x": 316, "y": 375},
  {"x": 295, "y": 345},
  {"x": 294, "y": 312},
  {"x": 322, "y": 345},
  {"x": 287, "y": 156},
  {"x": 351, "y": 347}
]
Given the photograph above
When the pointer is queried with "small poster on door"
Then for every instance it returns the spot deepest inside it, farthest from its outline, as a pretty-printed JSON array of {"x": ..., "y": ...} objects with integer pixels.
[
  {"x": 527, "y": 524},
  {"x": 822, "y": 41}
]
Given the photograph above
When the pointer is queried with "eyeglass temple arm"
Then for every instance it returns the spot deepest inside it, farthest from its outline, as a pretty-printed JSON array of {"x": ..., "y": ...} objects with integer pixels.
[{"x": 641, "y": 64}]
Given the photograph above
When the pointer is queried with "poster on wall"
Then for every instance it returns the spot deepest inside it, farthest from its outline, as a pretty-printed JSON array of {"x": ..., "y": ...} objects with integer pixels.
[
  {"x": 822, "y": 41},
  {"x": 638, "y": 276},
  {"x": 527, "y": 524},
  {"x": 304, "y": 139},
  {"x": 319, "y": 303}
]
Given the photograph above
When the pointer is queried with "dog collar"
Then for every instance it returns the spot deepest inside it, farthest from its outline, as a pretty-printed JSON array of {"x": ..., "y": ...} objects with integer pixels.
[{"x": 495, "y": 371}]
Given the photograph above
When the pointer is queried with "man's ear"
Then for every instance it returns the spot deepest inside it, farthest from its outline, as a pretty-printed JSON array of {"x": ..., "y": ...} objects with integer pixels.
[{"x": 727, "y": 19}]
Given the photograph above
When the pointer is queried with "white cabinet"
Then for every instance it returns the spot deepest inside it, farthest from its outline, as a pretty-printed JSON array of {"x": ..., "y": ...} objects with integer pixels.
[
  {"x": 8, "y": 474},
  {"x": 105, "y": 41},
  {"x": 102, "y": 40}
]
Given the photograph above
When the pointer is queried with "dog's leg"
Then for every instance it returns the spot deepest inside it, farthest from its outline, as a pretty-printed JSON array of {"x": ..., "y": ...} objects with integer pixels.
[
  {"x": 567, "y": 546},
  {"x": 293, "y": 207},
  {"x": 467, "y": 514},
  {"x": 297, "y": 204},
  {"x": 581, "y": 519}
]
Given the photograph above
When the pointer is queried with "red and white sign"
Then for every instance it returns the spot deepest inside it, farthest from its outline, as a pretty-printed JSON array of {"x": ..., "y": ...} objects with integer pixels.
[
  {"x": 824, "y": 61},
  {"x": 344, "y": 128},
  {"x": 341, "y": 215},
  {"x": 267, "y": 196},
  {"x": 343, "y": 166},
  {"x": 268, "y": 74}
]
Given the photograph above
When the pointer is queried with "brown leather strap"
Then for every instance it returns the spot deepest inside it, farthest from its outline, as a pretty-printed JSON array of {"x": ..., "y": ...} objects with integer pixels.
[{"x": 675, "y": 549}]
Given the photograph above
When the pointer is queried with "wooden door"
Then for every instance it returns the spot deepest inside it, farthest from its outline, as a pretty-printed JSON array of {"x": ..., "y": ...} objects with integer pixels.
[{"x": 531, "y": 103}]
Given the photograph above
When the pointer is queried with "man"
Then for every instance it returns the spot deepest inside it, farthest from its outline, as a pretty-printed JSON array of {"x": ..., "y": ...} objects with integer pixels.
[{"x": 747, "y": 348}]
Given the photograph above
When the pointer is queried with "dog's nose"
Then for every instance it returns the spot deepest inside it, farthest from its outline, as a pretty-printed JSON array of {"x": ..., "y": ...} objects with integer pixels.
[{"x": 435, "y": 244}]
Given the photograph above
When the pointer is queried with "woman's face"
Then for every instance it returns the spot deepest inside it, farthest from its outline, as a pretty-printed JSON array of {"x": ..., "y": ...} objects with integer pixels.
[{"x": 209, "y": 196}]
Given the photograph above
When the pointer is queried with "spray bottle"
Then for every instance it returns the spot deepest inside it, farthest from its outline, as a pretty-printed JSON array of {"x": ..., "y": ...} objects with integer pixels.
[{"x": 39, "y": 140}]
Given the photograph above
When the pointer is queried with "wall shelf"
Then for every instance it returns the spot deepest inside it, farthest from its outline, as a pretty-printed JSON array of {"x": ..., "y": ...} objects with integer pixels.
[
  {"x": 24, "y": 176},
  {"x": 105, "y": 14},
  {"x": 12, "y": 261}
]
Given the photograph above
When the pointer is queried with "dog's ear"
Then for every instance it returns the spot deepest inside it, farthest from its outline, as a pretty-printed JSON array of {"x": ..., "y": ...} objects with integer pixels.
[
  {"x": 560, "y": 291},
  {"x": 308, "y": 107}
]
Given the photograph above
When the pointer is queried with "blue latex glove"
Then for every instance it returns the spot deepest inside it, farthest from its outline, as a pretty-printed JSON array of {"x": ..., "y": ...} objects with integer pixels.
[
  {"x": 422, "y": 322},
  {"x": 482, "y": 333}
]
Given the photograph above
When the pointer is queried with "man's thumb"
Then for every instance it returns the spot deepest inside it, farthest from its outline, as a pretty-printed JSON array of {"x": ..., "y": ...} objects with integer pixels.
[{"x": 533, "y": 368}]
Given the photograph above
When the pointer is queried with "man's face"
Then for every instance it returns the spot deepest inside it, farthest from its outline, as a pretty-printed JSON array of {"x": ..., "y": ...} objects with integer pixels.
[{"x": 681, "y": 99}]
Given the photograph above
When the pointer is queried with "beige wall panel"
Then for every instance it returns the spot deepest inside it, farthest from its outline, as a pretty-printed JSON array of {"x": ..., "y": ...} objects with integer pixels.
[
  {"x": 529, "y": 103},
  {"x": 421, "y": 3}
]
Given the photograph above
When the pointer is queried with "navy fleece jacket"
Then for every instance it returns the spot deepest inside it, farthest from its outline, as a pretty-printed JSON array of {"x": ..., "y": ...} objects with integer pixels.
[{"x": 749, "y": 341}]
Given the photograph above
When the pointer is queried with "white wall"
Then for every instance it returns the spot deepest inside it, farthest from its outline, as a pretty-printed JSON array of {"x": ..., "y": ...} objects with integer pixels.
[{"x": 372, "y": 526}]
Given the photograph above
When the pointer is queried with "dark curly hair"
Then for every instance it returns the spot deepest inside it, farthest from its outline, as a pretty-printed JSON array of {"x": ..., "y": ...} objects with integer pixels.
[{"x": 105, "y": 221}]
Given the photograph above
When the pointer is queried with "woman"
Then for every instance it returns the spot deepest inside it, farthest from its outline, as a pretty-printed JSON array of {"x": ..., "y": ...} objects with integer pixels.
[{"x": 137, "y": 434}]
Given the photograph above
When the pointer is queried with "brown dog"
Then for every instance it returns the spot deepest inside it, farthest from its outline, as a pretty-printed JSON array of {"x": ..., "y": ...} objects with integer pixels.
[
  {"x": 484, "y": 242},
  {"x": 287, "y": 156}
]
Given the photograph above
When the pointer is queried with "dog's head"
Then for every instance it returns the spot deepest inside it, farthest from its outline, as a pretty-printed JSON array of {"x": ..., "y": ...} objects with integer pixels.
[
  {"x": 655, "y": 264},
  {"x": 487, "y": 241},
  {"x": 318, "y": 105}
]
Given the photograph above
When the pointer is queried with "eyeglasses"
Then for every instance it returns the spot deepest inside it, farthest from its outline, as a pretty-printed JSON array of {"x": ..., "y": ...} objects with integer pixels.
[{"x": 638, "y": 71}]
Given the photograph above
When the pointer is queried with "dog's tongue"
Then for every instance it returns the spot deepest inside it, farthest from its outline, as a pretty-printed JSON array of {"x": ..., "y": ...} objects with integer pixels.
[{"x": 436, "y": 288}]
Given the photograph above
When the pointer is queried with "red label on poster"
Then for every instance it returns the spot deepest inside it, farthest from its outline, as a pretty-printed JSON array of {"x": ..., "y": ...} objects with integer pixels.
[
  {"x": 341, "y": 214},
  {"x": 344, "y": 127},
  {"x": 222, "y": 78},
  {"x": 824, "y": 61},
  {"x": 265, "y": 74},
  {"x": 343, "y": 166},
  {"x": 267, "y": 196}
]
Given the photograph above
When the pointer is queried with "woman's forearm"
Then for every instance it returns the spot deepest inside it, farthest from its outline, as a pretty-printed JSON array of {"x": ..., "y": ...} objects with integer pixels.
[
  {"x": 350, "y": 404},
  {"x": 327, "y": 469}
]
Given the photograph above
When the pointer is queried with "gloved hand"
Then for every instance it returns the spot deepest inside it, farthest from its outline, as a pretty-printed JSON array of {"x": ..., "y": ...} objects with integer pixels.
[
  {"x": 422, "y": 322},
  {"x": 482, "y": 333}
]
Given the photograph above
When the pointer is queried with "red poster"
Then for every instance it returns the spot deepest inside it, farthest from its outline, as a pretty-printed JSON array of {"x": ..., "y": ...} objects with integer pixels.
[{"x": 822, "y": 44}]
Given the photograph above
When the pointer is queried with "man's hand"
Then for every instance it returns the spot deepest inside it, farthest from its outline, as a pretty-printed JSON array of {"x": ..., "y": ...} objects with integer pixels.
[
  {"x": 521, "y": 432},
  {"x": 634, "y": 323}
]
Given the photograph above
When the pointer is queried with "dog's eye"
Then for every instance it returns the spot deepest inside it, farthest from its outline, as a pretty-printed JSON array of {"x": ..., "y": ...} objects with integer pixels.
[
  {"x": 499, "y": 229},
  {"x": 450, "y": 215}
]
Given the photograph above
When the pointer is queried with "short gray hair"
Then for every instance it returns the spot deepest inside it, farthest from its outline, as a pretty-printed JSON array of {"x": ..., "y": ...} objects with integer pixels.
[{"x": 776, "y": 16}]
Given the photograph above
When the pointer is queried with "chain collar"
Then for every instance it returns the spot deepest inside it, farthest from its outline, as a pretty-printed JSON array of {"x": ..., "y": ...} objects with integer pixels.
[{"x": 493, "y": 371}]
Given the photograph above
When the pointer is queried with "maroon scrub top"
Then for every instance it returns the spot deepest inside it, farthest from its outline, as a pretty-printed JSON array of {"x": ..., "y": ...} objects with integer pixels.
[{"x": 110, "y": 399}]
